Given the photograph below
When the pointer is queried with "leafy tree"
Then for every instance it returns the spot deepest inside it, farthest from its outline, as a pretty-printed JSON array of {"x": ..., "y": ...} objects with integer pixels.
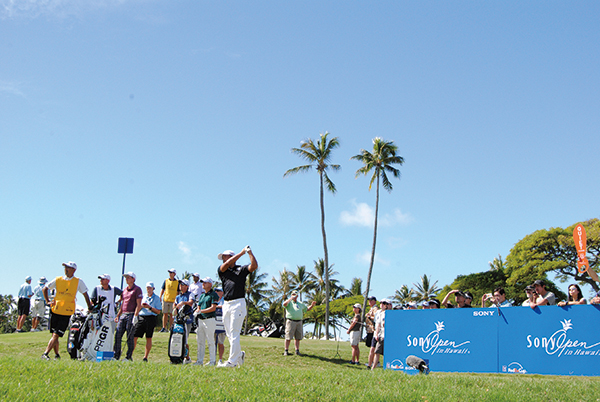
[
  {"x": 553, "y": 250},
  {"x": 319, "y": 155},
  {"x": 497, "y": 264},
  {"x": 478, "y": 284},
  {"x": 425, "y": 290},
  {"x": 8, "y": 314},
  {"x": 404, "y": 295},
  {"x": 381, "y": 161}
]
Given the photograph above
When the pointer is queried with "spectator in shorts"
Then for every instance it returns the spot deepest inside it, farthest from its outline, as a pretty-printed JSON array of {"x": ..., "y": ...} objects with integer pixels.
[
  {"x": 184, "y": 302},
  {"x": 38, "y": 306},
  {"x": 370, "y": 325},
  {"x": 354, "y": 331},
  {"x": 128, "y": 316},
  {"x": 168, "y": 293},
  {"x": 545, "y": 298},
  {"x": 206, "y": 313},
  {"x": 151, "y": 306},
  {"x": 379, "y": 333},
  {"x": 25, "y": 293},
  {"x": 575, "y": 296},
  {"x": 63, "y": 304},
  {"x": 531, "y": 296},
  {"x": 219, "y": 327},
  {"x": 294, "y": 312}
]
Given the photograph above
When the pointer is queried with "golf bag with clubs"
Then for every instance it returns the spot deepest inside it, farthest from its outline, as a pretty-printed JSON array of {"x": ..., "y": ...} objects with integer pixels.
[
  {"x": 90, "y": 333},
  {"x": 177, "y": 339}
]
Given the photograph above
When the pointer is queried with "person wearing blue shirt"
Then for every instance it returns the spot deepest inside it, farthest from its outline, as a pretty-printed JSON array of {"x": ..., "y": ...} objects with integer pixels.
[
  {"x": 23, "y": 304},
  {"x": 38, "y": 309},
  {"x": 498, "y": 298},
  {"x": 184, "y": 302},
  {"x": 151, "y": 307}
]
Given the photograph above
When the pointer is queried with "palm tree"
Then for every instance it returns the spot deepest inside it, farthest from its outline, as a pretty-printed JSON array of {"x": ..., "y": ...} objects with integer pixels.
[
  {"x": 497, "y": 264},
  {"x": 255, "y": 292},
  {"x": 381, "y": 161},
  {"x": 304, "y": 280},
  {"x": 404, "y": 295},
  {"x": 318, "y": 155},
  {"x": 425, "y": 290},
  {"x": 282, "y": 286},
  {"x": 356, "y": 287}
]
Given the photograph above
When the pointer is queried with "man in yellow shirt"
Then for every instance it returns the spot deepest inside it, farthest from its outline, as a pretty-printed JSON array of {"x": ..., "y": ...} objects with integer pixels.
[
  {"x": 168, "y": 293},
  {"x": 63, "y": 305}
]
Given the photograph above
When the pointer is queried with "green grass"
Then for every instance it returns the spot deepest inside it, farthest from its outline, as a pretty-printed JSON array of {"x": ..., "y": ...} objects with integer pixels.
[{"x": 318, "y": 375}]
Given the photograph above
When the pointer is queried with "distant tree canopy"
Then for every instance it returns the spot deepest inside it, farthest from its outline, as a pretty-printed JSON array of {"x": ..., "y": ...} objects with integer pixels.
[{"x": 553, "y": 250}]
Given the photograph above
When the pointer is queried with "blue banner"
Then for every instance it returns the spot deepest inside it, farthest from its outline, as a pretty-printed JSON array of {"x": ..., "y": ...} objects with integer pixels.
[{"x": 547, "y": 340}]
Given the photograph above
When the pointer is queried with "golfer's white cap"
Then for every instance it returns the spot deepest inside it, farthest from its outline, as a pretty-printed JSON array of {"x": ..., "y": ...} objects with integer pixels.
[
  {"x": 185, "y": 282},
  {"x": 226, "y": 252},
  {"x": 129, "y": 274},
  {"x": 104, "y": 276},
  {"x": 172, "y": 271},
  {"x": 27, "y": 278},
  {"x": 70, "y": 264},
  {"x": 150, "y": 285},
  {"x": 43, "y": 279},
  {"x": 208, "y": 279},
  {"x": 196, "y": 274}
]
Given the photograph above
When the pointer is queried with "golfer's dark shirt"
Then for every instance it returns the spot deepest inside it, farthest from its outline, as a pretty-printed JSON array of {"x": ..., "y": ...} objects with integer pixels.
[{"x": 234, "y": 282}]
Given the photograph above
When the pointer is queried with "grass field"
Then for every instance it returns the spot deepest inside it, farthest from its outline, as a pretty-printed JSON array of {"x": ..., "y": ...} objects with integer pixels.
[{"x": 319, "y": 375}]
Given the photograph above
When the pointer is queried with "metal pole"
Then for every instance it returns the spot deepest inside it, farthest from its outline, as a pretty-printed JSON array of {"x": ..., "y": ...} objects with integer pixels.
[{"x": 123, "y": 270}]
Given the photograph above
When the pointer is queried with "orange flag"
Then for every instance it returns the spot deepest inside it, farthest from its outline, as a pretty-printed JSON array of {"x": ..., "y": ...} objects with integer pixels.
[{"x": 580, "y": 239}]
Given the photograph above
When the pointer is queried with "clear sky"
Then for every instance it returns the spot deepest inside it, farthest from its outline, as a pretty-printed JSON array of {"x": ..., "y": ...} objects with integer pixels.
[{"x": 172, "y": 122}]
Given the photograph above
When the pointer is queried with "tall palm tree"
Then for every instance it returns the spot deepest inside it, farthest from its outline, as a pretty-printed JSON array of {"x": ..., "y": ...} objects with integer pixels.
[
  {"x": 425, "y": 290},
  {"x": 282, "y": 286},
  {"x": 255, "y": 292},
  {"x": 404, "y": 295},
  {"x": 381, "y": 161},
  {"x": 497, "y": 264},
  {"x": 356, "y": 287},
  {"x": 304, "y": 280},
  {"x": 318, "y": 155}
]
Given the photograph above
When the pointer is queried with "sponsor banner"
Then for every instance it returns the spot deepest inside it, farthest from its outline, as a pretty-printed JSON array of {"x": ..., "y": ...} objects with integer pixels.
[
  {"x": 550, "y": 340},
  {"x": 459, "y": 340}
]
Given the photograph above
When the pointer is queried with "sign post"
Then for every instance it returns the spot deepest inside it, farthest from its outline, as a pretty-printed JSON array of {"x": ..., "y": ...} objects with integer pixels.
[{"x": 125, "y": 247}]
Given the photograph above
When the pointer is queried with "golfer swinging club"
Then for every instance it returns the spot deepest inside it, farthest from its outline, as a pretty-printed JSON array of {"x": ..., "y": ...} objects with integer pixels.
[{"x": 233, "y": 278}]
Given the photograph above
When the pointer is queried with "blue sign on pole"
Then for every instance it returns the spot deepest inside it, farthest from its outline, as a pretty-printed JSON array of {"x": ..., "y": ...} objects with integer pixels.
[{"x": 125, "y": 245}]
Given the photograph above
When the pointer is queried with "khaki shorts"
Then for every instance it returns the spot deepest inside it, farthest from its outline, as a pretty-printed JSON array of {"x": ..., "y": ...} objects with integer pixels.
[
  {"x": 294, "y": 330},
  {"x": 38, "y": 308},
  {"x": 354, "y": 338},
  {"x": 167, "y": 307},
  {"x": 220, "y": 338}
]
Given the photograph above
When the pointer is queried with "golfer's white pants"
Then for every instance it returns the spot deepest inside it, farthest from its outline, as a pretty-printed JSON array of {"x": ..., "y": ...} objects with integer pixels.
[
  {"x": 234, "y": 312},
  {"x": 206, "y": 333}
]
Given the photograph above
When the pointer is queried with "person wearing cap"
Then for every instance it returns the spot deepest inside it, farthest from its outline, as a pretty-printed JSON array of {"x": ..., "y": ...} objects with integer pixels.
[
  {"x": 24, "y": 302},
  {"x": 411, "y": 305},
  {"x": 434, "y": 304},
  {"x": 219, "y": 327},
  {"x": 545, "y": 298},
  {"x": 151, "y": 307},
  {"x": 63, "y": 304},
  {"x": 196, "y": 288},
  {"x": 294, "y": 313},
  {"x": 468, "y": 299},
  {"x": 184, "y": 303},
  {"x": 168, "y": 293},
  {"x": 206, "y": 314},
  {"x": 110, "y": 294},
  {"x": 128, "y": 316},
  {"x": 459, "y": 297},
  {"x": 354, "y": 332},
  {"x": 379, "y": 333},
  {"x": 531, "y": 296},
  {"x": 370, "y": 327},
  {"x": 233, "y": 278},
  {"x": 498, "y": 298},
  {"x": 38, "y": 305}
]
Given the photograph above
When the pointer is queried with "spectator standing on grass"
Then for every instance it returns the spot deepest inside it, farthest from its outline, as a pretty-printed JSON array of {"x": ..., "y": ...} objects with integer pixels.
[
  {"x": 184, "y": 303},
  {"x": 233, "y": 277},
  {"x": 370, "y": 325},
  {"x": 219, "y": 327},
  {"x": 379, "y": 333},
  {"x": 38, "y": 304},
  {"x": 354, "y": 331},
  {"x": 24, "y": 303},
  {"x": 168, "y": 293},
  {"x": 151, "y": 307},
  {"x": 498, "y": 298},
  {"x": 294, "y": 328},
  {"x": 575, "y": 296},
  {"x": 128, "y": 316},
  {"x": 63, "y": 304},
  {"x": 206, "y": 313},
  {"x": 545, "y": 298}
]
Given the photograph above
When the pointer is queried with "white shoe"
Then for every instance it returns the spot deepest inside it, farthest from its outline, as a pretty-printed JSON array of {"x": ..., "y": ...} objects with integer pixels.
[
  {"x": 187, "y": 361},
  {"x": 227, "y": 364}
]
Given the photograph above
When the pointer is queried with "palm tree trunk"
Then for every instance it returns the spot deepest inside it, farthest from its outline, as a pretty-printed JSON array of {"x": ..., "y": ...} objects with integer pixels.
[
  {"x": 372, "y": 254},
  {"x": 326, "y": 260}
]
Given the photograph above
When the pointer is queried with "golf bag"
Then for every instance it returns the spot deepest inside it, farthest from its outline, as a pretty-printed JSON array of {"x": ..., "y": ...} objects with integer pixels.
[
  {"x": 91, "y": 333},
  {"x": 177, "y": 339},
  {"x": 77, "y": 332}
]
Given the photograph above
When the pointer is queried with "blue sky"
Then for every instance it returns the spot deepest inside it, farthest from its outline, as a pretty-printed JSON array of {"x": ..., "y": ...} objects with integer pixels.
[{"x": 172, "y": 123}]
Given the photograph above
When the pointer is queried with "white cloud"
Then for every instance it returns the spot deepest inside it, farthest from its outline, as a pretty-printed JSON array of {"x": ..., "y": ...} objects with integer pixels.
[
  {"x": 60, "y": 9},
  {"x": 396, "y": 217},
  {"x": 365, "y": 259},
  {"x": 12, "y": 88},
  {"x": 186, "y": 250},
  {"x": 364, "y": 215}
]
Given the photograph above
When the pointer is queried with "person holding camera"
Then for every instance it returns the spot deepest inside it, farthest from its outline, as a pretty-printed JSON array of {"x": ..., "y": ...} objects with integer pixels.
[
  {"x": 498, "y": 298},
  {"x": 233, "y": 278}
]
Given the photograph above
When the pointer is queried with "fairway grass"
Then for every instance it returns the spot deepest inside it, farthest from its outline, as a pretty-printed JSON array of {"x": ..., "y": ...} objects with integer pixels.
[{"x": 322, "y": 373}]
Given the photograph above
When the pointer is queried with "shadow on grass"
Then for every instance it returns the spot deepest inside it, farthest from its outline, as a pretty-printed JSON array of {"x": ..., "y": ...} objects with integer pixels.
[{"x": 334, "y": 360}]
